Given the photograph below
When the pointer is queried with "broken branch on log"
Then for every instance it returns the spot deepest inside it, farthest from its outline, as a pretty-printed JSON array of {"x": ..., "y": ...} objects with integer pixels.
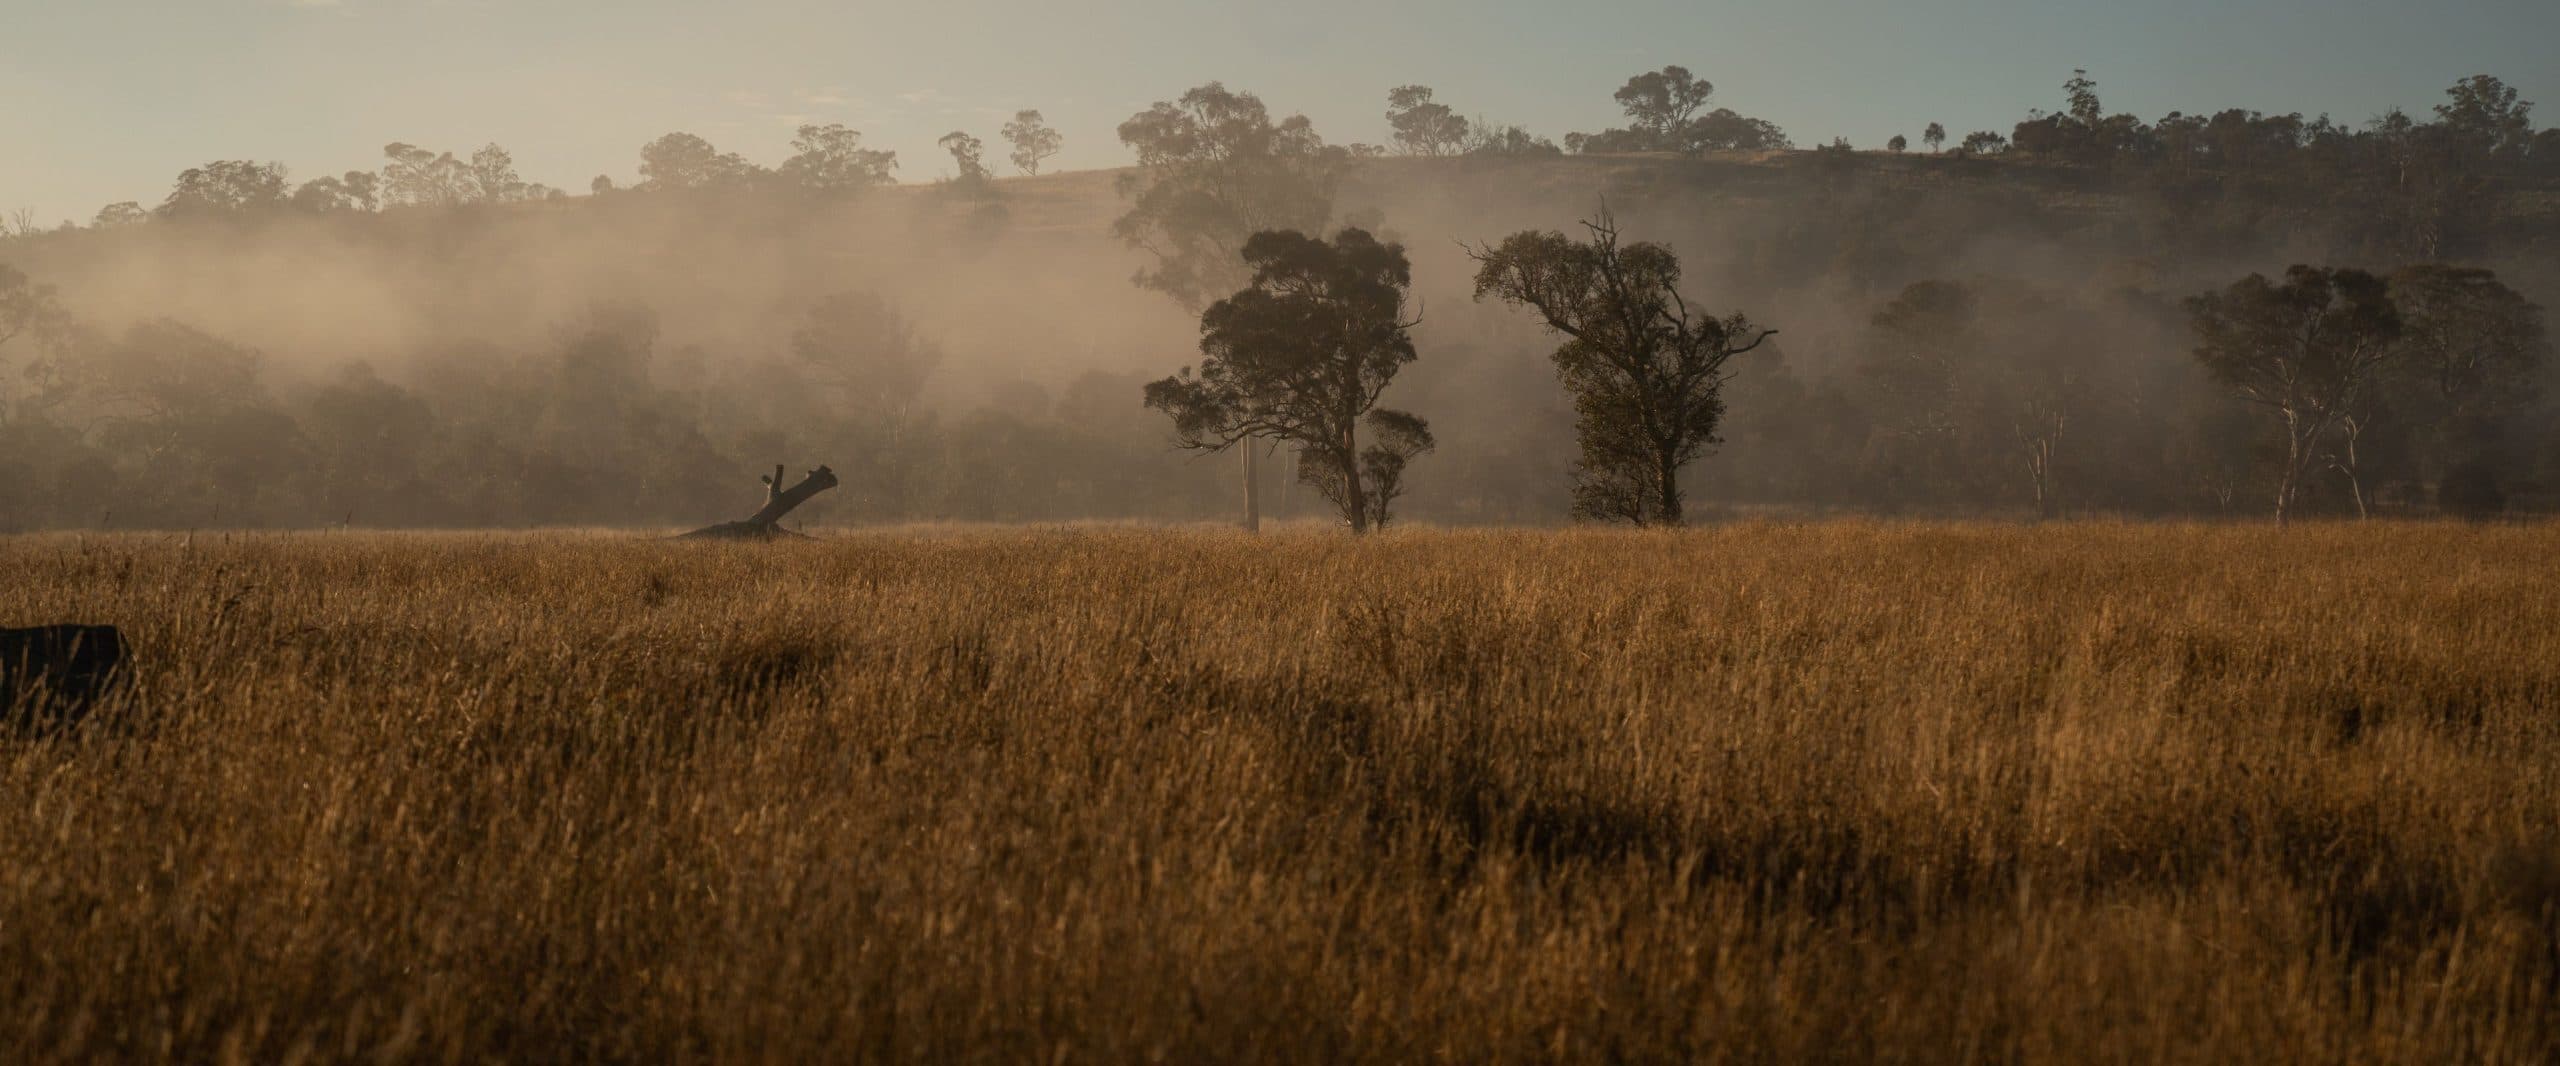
[{"x": 766, "y": 524}]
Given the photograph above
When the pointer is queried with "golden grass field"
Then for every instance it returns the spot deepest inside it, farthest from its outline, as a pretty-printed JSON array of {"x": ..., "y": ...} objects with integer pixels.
[{"x": 2069, "y": 793}]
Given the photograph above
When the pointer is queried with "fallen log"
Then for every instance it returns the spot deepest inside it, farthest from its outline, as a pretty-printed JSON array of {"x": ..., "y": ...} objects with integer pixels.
[
  {"x": 766, "y": 523},
  {"x": 50, "y": 676}
]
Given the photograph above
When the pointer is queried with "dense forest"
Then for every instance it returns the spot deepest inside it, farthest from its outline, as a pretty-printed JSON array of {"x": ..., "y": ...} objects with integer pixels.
[{"x": 2083, "y": 315}]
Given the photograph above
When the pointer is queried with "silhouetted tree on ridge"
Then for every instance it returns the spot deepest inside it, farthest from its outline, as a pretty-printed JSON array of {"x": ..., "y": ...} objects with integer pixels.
[
  {"x": 1423, "y": 126},
  {"x": 1213, "y": 170},
  {"x": 1032, "y": 141}
]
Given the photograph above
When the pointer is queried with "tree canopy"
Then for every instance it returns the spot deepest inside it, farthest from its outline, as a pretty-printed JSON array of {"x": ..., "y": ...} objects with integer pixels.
[
  {"x": 228, "y": 187},
  {"x": 684, "y": 161},
  {"x": 831, "y": 158}
]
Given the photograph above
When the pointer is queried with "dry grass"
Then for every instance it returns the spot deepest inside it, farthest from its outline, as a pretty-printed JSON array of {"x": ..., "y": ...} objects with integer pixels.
[{"x": 1844, "y": 791}]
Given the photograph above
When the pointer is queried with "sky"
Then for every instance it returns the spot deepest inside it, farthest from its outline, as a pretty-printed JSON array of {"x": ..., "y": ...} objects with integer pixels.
[{"x": 107, "y": 100}]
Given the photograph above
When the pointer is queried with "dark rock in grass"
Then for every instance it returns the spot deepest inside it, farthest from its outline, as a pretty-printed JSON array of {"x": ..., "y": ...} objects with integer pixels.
[{"x": 50, "y": 676}]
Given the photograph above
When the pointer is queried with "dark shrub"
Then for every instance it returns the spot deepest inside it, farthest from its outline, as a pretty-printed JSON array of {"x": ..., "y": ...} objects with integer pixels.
[{"x": 2470, "y": 490}]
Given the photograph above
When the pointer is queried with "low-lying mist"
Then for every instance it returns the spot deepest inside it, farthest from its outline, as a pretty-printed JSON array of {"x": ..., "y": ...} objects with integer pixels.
[{"x": 977, "y": 355}]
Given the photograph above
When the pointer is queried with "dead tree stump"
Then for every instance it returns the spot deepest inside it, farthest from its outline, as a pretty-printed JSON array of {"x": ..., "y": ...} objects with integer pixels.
[{"x": 766, "y": 524}]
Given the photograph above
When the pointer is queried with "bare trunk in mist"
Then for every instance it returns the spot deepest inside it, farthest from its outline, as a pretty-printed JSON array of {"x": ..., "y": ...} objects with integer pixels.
[
  {"x": 2297, "y": 457},
  {"x": 2345, "y": 463},
  {"x": 1355, "y": 496},
  {"x": 1252, "y": 486},
  {"x": 2042, "y": 441},
  {"x": 1289, "y": 487}
]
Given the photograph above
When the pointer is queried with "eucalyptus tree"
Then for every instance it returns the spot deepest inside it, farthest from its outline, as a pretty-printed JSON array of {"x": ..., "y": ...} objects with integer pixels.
[
  {"x": 2308, "y": 350},
  {"x": 1645, "y": 367},
  {"x": 1032, "y": 141},
  {"x": 2471, "y": 349},
  {"x": 1300, "y": 355}
]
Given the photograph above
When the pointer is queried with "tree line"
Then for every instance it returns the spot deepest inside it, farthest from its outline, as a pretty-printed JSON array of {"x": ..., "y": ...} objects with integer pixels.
[
  {"x": 2425, "y": 189},
  {"x": 831, "y": 158},
  {"x": 826, "y": 158},
  {"x": 2336, "y": 390}
]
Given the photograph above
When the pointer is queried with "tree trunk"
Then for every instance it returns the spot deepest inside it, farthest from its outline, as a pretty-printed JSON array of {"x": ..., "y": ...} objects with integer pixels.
[
  {"x": 1354, "y": 494},
  {"x": 1667, "y": 488},
  {"x": 2297, "y": 470},
  {"x": 2041, "y": 448},
  {"x": 2355, "y": 478},
  {"x": 1252, "y": 485},
  {"x": 2297, "y": 454},
  {"x": 2291, "y": 482},
  {"x": 1288, "y": 490}
]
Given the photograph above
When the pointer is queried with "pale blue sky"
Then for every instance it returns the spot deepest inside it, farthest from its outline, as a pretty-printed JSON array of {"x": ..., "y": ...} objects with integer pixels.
[{"x": 105, "y": 100}]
